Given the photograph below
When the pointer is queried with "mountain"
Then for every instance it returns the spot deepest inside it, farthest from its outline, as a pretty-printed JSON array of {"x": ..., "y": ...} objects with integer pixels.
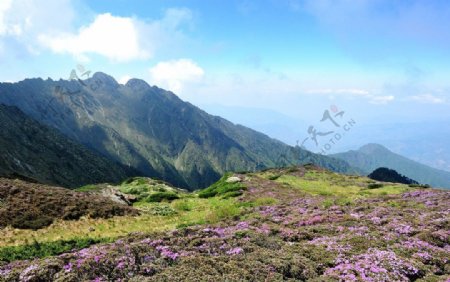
[
  {"x": 390, "y": 175},
  {"x": 152, "y": 130},
  {"x": 31, "y": 150},
  {"x": 425, "y": 142},
  {"x": 372, "y": 156}
]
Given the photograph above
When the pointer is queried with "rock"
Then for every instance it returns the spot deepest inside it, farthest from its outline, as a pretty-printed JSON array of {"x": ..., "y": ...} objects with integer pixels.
[
  {"x": 118, "y": 196},
  {"x": 233, "y": 179}
]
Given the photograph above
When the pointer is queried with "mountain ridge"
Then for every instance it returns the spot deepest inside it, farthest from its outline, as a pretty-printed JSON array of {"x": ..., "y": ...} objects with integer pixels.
[
  {"x": 372, "y": 156},
  {"x": 152, "y": 130}
]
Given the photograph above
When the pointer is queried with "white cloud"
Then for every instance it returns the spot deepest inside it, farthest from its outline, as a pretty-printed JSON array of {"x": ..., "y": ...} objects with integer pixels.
[
  {"x": 428, "y": 98},
  {"x": 379, "y": 100},
  {"x": 25, "y": 19},
  {"x": 30, "y": 26},
  {"x": 175, "y": 74},
  {"x": 351, "y": 91},
  {"x": 120, "y": 38},
  {"x": 354, "y": 92},
  {"x": 5, "y": 5},
  {"x": 116, "y": 38}
]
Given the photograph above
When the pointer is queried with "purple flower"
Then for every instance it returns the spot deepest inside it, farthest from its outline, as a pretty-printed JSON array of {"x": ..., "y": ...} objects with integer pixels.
[
  {"x": 156, "y": 242},
  {"x": 120, "y": 265},
  {"x": 242, "y": 225},
  {"x": 27, "y": 274},
  {"x": 404, "y": 229},
  {"x": 166, "y": 252},
  {"x": 424, "y": 256},
  {"x": 312, "y": 221},
  {"x": 68, "y": 267},
  {"x": 375, "y": 265},
  {"x": 235, "y": 251}
]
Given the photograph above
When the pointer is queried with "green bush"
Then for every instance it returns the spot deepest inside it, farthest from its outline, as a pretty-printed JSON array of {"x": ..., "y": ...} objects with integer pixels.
[
  {"x": 31, "y": 221},
  {"x": 232, "y": 194},
  {"x": 161, "y": 196},
  {"x": 40, "y": 250},
  {"x": 162, "y": 210},
  {"x": 222, "y": 188},
  {"x": 375, "y": 185},
  {"x": 182, "y": 205},
  {"x": 419, "y": 186},
  {"x": 292, "y": 169},
  {"x": 274, "y": 177}
]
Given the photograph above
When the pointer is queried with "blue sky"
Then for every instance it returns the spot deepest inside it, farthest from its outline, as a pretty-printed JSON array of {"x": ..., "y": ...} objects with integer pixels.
[{"x": 380, "y": 60}]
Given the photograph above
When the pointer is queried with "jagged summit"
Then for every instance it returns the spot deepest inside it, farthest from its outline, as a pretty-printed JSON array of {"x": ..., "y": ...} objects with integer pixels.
[
  {"x": 105, "y": 78},
  {"x": 139, "y": 84}
]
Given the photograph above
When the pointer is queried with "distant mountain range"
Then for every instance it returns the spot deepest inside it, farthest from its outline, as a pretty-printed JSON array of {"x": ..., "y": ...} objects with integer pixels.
[
  {"x": 373, "y": 156},
  {"x": 144, "y": 128}
]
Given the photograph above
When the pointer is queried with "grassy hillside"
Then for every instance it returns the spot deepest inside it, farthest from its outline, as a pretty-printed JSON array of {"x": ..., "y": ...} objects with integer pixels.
[
  {"x": 372, "y": 156},
  {"x": 296, "y": 224}
]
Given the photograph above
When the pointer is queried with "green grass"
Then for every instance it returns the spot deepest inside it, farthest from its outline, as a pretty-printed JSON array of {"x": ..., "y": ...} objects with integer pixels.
[
  {"x": 89, "y": 188},
  {"x": 265, "y": 201},
  {"x": 143, "y": 188},
  {"x": 326, "y": 184},
  {"x": 183, "y": 205},
  {"x": 161, "y": 196},
  {"x": 222, "y": 188},
  {"x": 150, "y": 190},
  {"x": 155, "y": 217},
  {"x": 40, "y": 250}
]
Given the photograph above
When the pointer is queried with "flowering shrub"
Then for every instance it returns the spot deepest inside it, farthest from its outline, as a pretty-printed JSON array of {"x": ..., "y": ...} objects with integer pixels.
[
  {"x": 297, "y": 237},
  {"x": 375, "y": 265}
]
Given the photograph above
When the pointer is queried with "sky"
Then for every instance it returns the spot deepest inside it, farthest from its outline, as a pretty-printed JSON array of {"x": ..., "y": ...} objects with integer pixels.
[{"x": 287, "y": 61}]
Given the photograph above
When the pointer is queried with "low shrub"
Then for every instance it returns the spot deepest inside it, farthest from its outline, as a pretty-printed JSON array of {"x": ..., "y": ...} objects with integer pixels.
[
  {"x": 419, "y": 186},
  {"x": 223, "y": 212},
  {"x": 232, "y": 194},
  {"x": 40, "y": 250},
  {"x": 375, "y": 185},
  {"x": 222, "y": 188},
  {"x": 292, "y": 169},
  {"x": 182, "y": 205},
  {"x": 162, "y": 210},
  {"x": 274, "y": 177},
  {"x": 161, "y": 196},
  {"x": 30, "y": 221}
]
